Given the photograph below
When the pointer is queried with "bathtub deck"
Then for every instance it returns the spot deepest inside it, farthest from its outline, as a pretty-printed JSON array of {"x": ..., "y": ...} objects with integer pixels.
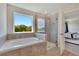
[
  {"x": 31, "y": 50},
  {"x": 19, "y": 43},
  {"x": 25, "y": 46}
]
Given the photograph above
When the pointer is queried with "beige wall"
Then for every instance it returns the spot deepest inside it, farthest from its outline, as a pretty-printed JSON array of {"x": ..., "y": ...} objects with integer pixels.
[
  {"x": 3, "y": 22},
  {"x": 10, "y": 21},
  {"x": 73, "y": 25},
  {"x": 3, "y": 19},
  {"x": 11, "y": 10}
]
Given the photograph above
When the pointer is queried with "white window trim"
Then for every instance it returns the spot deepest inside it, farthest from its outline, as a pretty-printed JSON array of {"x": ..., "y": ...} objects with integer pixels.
[{"x": 24, "y": 14}]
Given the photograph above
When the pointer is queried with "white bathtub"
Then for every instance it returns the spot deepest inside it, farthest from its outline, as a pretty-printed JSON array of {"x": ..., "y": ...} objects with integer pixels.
[{"x": 19, "y": 43}]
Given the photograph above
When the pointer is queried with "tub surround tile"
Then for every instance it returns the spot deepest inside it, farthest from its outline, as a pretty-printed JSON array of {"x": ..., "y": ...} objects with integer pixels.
[
  {"x": 32, "y": 50},
  {"x": 19, "y": 43},
  {"x": 20, "y": 35},
  {"x": 12, "y": 53},
  {"x": 3, "y": 38},
  {"x": 39, "y": 49},
  {"x": 27, "y": 51}
]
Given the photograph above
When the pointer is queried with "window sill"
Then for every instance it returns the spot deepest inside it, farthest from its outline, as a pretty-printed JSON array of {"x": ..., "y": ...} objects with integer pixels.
[
  {"x": 21, "y": 32},
  {"x": 41, "y": 31}
]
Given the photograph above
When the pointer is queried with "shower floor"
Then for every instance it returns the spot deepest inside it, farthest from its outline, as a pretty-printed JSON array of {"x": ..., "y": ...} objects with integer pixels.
[{"x": 50, "y": 45}]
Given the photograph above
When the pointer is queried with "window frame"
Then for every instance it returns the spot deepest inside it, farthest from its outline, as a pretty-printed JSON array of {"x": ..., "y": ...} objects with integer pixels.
[{"x": 26, "y": 15}]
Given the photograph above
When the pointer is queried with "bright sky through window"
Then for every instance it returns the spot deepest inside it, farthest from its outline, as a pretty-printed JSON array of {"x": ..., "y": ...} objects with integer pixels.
[
  {"x": 41, "y": 25},
  {"x": 22, "y": 19},
  {"x": 23, "y": 22}
]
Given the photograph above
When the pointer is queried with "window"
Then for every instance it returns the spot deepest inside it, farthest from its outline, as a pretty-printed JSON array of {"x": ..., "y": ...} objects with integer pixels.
[
  {"x": 41, "y": 25},
  {"x": 22, "y": 22}
]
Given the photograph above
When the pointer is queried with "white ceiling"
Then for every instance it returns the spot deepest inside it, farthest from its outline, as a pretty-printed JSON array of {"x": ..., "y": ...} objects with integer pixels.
[{"x": 45, "y": 8}]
